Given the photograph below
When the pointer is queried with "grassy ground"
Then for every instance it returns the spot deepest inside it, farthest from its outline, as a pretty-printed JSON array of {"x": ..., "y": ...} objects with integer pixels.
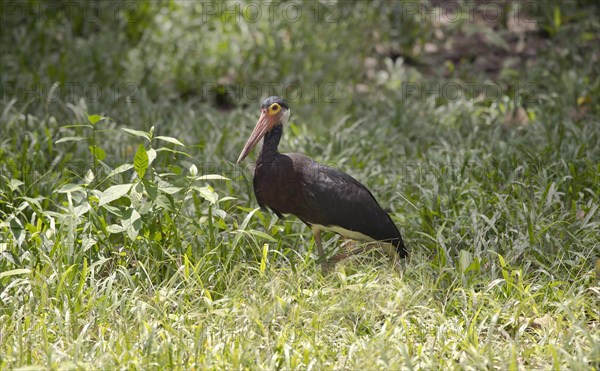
[{"x": 129, "y": 239}]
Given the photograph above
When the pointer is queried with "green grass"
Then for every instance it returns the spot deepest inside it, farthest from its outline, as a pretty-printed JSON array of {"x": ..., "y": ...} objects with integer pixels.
[{"x": 129, "y": 239}]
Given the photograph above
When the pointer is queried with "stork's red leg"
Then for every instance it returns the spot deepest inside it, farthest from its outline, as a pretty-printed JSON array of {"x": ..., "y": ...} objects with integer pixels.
[
  {"x": 317, "y": 235},
  {"x": 326, "y": 264}
]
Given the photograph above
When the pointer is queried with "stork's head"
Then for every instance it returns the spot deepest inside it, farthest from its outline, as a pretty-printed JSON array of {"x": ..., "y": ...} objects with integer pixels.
[{"x": 273, "y": 111}]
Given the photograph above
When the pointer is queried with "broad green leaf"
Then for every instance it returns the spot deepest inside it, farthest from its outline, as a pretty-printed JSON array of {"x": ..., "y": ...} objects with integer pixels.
[
  {"x": 207, "y": 193},
  {"x": 120, "y": 169},
  {"x": 70, "y": 139},
  {"x": 87, "y": 242},
  {"x": 93, "y": 119},
  {"x": 502, "y": 261},
  {"x": 137, "y": 195},
  {"x": 113, "y": 210},
  {"x": 170, "y": 190},
  {"x": 151, "y": 188},
  {"x": 14, "y": 272},
  {"x": 17, "y": 230},
  {"x": 89, "y": 177},
  {"x": 81, "y": 209},
  {"x": 167, "y": 187},
  {"x": 219, "y": 213},
  {"x": 151, "y": 156},
  {"x": 132, "y": 222},
  {"x": 137, "y": 133},
  {"x": 170, "y": 140},
  {"x": 97, "y": 152},
  {"x": 464, "y": 260},
  {"x": 14, "y": 184},
  {"x": 69, "y": 188},
  {"x": 115, "y": 228},
  {"x": 113, "y": 193},
  {"x": 34, "y": 203},
  {"x": 140, "y": 162},
  {"x": 163, "y": 202},
  {"x": 474, "y": 266},
  {"x": 588, "y": 217},
  {"x": 211, "y": 177},
  {"x": 165, "y": 149}
]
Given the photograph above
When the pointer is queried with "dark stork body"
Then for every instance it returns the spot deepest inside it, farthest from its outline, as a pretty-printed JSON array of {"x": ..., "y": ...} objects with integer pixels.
[{"x": 322, "y": 197}]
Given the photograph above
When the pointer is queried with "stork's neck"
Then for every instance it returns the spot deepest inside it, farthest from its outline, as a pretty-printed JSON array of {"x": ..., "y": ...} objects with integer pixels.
[{"x": 270, "y": 143}]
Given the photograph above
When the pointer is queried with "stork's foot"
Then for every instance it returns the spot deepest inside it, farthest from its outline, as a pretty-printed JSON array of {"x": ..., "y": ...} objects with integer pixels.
[
  {"x": 350, "y": 250},
  {"x": 327, "y": 266}
]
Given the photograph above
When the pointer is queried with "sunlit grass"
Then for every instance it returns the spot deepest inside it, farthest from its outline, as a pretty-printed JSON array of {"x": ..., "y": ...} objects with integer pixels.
[{"x": 180, "y": 270}]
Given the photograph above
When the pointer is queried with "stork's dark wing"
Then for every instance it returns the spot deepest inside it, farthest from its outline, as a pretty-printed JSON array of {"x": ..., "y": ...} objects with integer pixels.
[
  {"x": 259, "y": 190},
  {"x": 334, "y": 198}
]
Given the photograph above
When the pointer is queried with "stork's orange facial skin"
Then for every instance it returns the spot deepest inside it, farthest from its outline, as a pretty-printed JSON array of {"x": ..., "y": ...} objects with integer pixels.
[{"x": 271, "y": 115}]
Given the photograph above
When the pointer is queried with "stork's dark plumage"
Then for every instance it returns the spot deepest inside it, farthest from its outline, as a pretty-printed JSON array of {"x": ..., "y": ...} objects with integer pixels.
[{"x": 322, "y": 197}]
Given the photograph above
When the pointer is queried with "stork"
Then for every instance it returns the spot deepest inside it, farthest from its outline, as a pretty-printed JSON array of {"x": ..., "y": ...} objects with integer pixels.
[{"x": 322, "y": 197}]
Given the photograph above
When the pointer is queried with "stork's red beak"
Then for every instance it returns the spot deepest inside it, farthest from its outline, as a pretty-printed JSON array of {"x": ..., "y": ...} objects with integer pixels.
[{"x": 264, "y": 124}]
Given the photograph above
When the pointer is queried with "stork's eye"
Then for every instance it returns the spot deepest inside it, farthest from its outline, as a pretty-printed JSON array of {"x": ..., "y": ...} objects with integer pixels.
[{"x": 274, "y": 108}]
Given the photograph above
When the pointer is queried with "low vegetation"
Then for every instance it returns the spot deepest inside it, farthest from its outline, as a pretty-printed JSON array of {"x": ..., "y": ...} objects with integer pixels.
[{"x": 129, "y": 239}]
